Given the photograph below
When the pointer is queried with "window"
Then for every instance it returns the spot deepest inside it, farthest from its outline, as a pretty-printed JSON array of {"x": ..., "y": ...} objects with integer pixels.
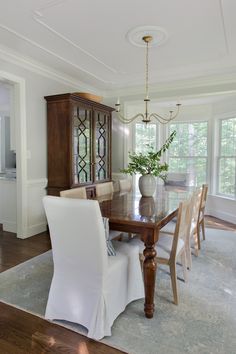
[
  {"x": 188, "y": 152},
  {"x": 145, "y": 137},
  {"x": 227, "y": 158}
]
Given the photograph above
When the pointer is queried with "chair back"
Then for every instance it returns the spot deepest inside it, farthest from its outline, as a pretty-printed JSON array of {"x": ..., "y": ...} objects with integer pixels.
[
  {"x": 78, "y": 238},
  {"x": 74, "y": 193},
  {"x": 200, "y": 203},
  {"x": 203, "y": 199},
  {"x": 125, "y": 185},
  {"x": 104, "y": 188},
  {"x": 183, "y": 223},
  {"x": 196, "y": 203}
]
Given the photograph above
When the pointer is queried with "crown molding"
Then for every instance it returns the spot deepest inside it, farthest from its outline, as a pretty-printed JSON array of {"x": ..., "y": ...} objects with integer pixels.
[
  {"x": 38, "y": 18},
  {"x": 171, "y": 87},
  {"x": 36, "y": 67},
  {"x": 50, "y": 52}
]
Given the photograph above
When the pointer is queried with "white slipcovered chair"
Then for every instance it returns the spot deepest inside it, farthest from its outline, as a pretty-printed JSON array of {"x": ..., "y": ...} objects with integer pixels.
[{"x": 88, "y": 286}]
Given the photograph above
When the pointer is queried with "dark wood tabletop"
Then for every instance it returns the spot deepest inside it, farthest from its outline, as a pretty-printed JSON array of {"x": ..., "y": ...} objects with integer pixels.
[{"x": 130, "y": 212}]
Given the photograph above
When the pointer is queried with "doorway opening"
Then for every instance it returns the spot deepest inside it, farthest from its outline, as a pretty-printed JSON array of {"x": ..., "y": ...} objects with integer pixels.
[{"x": 13, "y": 161}]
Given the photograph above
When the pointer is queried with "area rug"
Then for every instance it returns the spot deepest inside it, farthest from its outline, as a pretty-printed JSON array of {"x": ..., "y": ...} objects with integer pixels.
[{"x": 203, "y": 322}]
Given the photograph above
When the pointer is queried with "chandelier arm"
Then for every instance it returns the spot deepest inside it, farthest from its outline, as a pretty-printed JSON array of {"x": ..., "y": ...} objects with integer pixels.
[
  {"x": 124, "y": 120},
  {"x": 176, "y": 113},
  {"x": 160, "y": 119},
  {"x": 165, "y": 120}
]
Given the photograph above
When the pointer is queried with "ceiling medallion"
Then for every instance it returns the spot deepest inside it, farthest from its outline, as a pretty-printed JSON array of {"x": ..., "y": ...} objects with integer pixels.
[{"x": 159, "y": 35}]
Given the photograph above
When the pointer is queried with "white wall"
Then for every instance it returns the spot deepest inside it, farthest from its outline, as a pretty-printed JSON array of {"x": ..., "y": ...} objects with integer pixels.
[
  {"x": 37, "y": 85},
  {"x": 8, "y": 204}
]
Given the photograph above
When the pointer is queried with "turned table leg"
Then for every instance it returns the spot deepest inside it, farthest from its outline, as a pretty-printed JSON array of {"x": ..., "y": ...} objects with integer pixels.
[{"x": 149, "y": 274}]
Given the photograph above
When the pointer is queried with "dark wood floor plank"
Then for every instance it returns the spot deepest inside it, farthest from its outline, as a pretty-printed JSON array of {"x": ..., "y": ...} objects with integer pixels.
[
  {"x": 22, "y": 332},
  {"x": 212, "y": 222}
]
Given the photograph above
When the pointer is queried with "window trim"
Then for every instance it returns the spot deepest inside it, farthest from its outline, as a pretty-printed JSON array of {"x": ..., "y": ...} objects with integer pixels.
[{"x": 219, "y": 156}]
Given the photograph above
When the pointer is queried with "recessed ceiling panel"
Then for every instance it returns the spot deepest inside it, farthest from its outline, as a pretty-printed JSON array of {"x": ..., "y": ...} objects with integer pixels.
[{"x": 88, "y": 39}]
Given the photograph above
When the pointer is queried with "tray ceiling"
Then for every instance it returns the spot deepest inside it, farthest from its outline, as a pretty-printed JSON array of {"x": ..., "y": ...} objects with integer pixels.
[{"x": 86, "y": 40}]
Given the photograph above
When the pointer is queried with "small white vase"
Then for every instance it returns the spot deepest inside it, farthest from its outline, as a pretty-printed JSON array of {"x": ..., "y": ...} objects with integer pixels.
[{"x": 147, "y": 185}]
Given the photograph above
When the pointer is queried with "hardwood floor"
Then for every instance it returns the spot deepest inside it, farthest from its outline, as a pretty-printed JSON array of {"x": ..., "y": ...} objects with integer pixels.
[
  {"x": 215, "y": 223},
  {"x": 21, "y": 332},
  {"x": 14, "y": 251}
]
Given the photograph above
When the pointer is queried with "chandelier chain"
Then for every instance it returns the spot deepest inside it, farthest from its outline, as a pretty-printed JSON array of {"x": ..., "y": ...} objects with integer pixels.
[
  {"x": 146, "y": 116},
  {"x": 147, "y": 70}
]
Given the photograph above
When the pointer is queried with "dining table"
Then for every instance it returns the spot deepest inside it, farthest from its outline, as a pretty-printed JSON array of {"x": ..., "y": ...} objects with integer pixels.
[{"x": 144, "y": 216}]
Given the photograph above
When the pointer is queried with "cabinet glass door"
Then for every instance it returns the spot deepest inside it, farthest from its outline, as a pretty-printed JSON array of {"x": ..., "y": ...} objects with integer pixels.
[
  {"x": 102, "y": 153},
  {"x": 82, "y": 152}
]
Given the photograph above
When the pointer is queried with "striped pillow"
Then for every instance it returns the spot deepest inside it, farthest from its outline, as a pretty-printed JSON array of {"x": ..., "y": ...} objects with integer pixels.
[{"x": 110, "y": 248}]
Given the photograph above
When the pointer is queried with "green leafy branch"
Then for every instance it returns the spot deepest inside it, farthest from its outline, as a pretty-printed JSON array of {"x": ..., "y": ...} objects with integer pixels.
[{"x": 149, "y": 163}]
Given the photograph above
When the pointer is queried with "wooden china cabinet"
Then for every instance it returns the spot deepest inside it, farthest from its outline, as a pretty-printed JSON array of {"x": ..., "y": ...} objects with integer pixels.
[{"x": 79, "y": 143}]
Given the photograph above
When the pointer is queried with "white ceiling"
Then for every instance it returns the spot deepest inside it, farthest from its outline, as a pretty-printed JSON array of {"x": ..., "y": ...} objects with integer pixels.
[{"x": 86, "y": 39}]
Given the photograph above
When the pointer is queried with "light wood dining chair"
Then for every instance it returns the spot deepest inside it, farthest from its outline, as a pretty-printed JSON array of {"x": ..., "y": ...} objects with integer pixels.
[
  {"x": 201, "y": 214},
  {"x": 104, "y": 188},
  {"x": 171, "y": 247},
  {"x": 79, "y": 193},
  {"x": 125, "y": 185},
  {"x": 198, "y": 218}
]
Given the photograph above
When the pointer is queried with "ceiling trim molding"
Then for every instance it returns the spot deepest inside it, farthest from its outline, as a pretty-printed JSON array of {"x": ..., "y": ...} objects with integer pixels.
[
  {"x": 37, "y": 17},
  {"x": 36, "y": 67},
  {"x": 51, "y": 3},
  {"x": 35, "y": 44},
  {"x": 225, "y": 115},
  {"x": 223, "y": 24},
  {"x": 176, "y": 85}
]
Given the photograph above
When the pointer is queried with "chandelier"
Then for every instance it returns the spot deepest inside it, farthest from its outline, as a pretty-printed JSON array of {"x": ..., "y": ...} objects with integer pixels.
[{"x": 146, "y": 116}]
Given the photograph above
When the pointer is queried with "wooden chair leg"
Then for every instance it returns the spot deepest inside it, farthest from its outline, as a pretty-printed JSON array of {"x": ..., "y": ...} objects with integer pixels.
[
  {"x": 174, "y": 282},
  {"x": 203, "y": 229},
  {"x": 198, "y": 237},
  {"x": 195, "y": 244},
  {"x": 188, "y": 254},
  {"x": 184, "y": 265}
]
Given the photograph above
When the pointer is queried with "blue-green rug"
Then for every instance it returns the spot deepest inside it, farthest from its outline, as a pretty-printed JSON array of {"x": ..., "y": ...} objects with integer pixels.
[{"x": 204, "y": 321}]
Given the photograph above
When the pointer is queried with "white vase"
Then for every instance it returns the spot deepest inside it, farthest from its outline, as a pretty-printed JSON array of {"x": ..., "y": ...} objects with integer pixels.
[{"x": 147, "y": 185}]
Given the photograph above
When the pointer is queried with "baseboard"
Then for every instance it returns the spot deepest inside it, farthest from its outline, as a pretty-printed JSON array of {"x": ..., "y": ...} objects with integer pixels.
[
  {"x": 221, "y": 215},
  {"x": 9, "y": 226},
  {"x": 36, "y": 229}
]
